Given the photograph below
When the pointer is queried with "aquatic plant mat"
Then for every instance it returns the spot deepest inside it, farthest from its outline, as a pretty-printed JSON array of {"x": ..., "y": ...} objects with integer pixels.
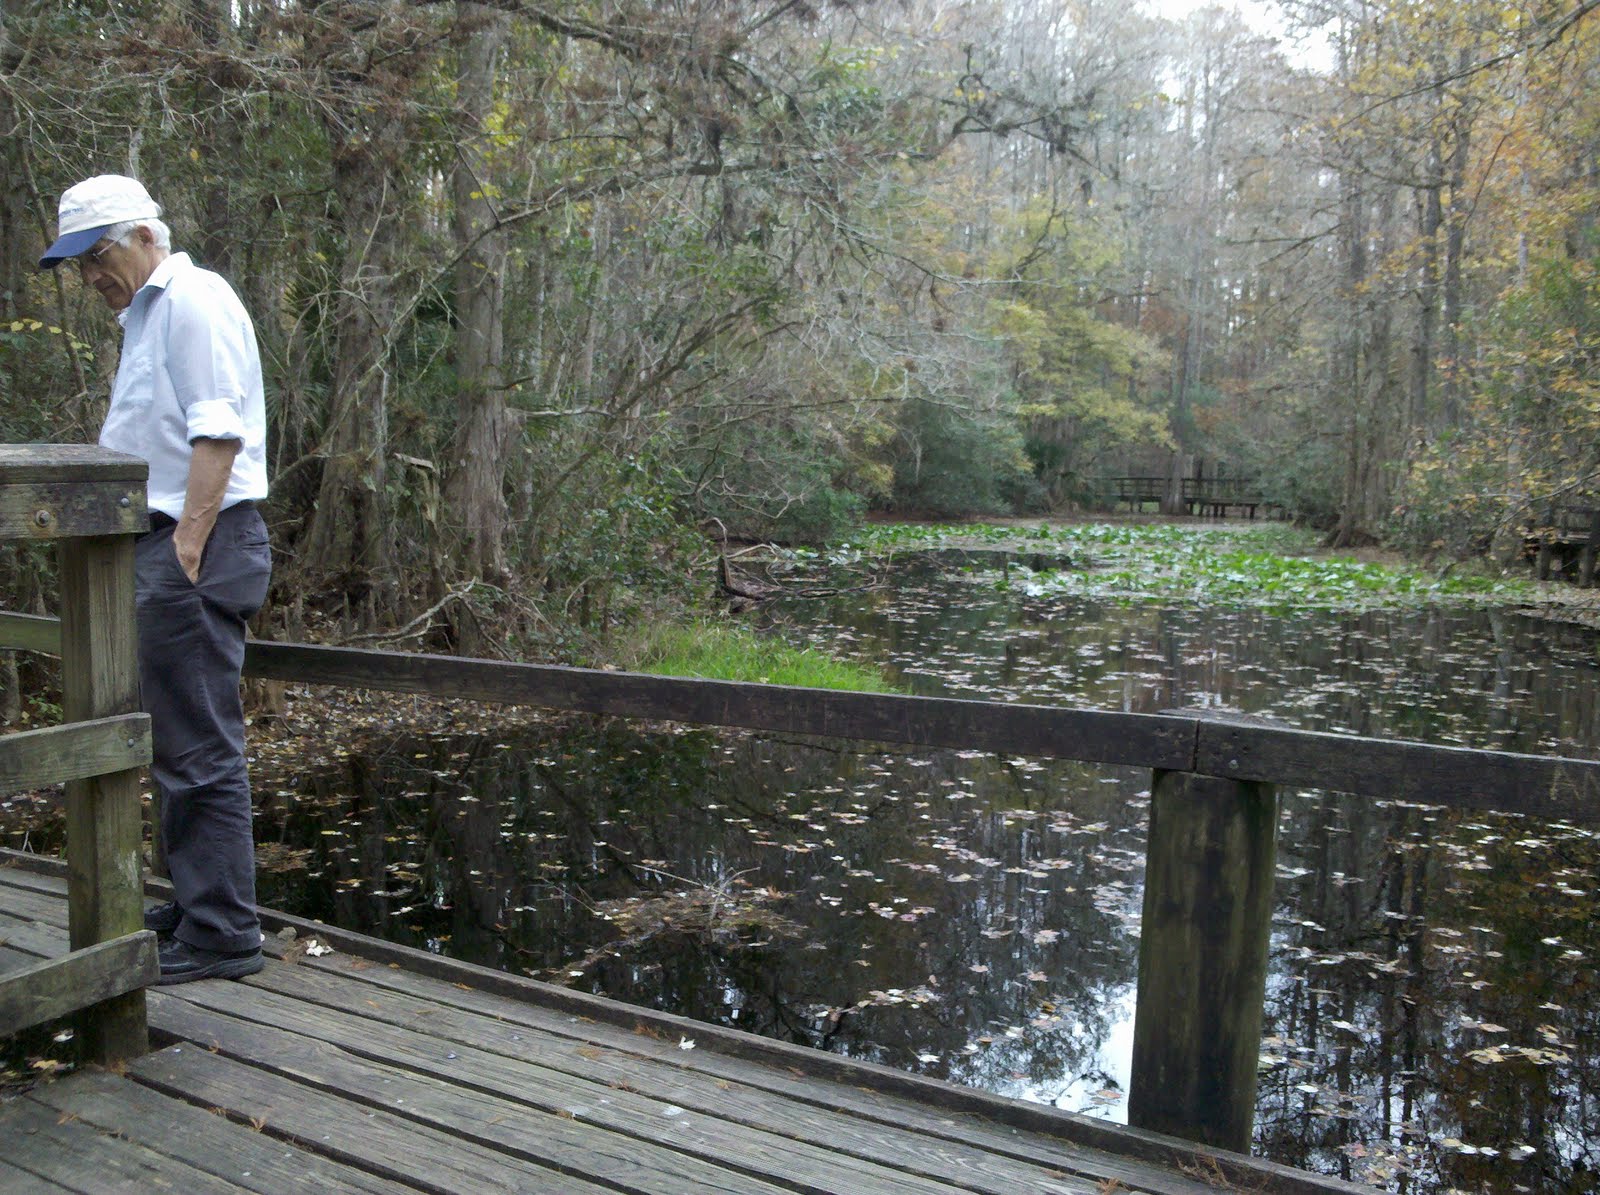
[
  {"x": 1263, "y": 565},
  {"x": 351, "y": 1065}
]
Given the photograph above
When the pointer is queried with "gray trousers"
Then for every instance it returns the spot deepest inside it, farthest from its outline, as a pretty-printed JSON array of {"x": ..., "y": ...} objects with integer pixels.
[{"x": 191, "y": 650}]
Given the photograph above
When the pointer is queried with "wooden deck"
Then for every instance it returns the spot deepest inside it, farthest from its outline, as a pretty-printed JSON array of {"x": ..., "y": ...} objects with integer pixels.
[
  {"x": 1213, "y": 497},
  {"x": 1567, "y": 545},
  {"x": 376, "y": 1068}
]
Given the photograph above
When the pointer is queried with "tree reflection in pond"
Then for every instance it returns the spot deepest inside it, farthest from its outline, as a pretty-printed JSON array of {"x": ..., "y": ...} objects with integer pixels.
[{"x": 958, "y": 915}]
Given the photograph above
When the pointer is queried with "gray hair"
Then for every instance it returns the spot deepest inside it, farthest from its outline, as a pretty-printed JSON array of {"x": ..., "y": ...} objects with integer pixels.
[{"x": 122, "y": 233}]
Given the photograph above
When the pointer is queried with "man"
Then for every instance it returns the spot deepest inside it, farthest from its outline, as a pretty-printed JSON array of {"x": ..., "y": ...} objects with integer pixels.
[{"x": 188, "y": 399}]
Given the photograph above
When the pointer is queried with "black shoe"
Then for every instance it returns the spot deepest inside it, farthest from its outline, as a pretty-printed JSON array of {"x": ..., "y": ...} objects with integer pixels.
[
  {"x": 163, "y": 918},
  {"x": 181, "y": 962}
]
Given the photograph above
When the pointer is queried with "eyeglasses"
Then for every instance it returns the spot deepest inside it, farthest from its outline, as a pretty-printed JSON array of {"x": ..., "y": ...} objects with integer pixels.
[{"x": 91, "y": 257}]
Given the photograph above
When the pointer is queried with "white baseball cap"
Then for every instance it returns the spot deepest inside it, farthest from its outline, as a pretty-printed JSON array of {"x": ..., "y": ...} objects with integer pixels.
[{"x": 89, "y": 208}]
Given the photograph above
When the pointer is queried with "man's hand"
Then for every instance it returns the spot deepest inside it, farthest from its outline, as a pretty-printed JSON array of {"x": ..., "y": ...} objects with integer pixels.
[
  {"x": 209, "y": 469},
  {"x": 189, "y": 541}
]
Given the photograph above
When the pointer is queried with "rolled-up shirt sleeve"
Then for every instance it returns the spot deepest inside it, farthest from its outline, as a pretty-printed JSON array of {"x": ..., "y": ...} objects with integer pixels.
[{"x": 210, "y": 345}]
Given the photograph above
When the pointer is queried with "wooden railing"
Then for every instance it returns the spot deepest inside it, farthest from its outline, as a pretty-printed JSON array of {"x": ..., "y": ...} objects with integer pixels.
[
  {"x": 91, "y": 503},
  {"x": 1211, "y": 847},
  {"x": 1211, "y": 851},
  {"x": 1567, "y": 543},
  {"x": 1199, "y": 496}
]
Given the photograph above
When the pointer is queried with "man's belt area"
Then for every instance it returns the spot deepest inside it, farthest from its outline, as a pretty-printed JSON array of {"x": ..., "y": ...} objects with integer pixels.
[{"x": 160, "y": 520}]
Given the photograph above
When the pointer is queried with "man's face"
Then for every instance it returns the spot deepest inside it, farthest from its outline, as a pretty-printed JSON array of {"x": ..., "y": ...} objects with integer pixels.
[{"x": 118, "y": 271}]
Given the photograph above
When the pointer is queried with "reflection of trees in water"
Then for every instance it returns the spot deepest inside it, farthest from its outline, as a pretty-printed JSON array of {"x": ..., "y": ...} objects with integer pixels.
[
  {"x": 1417, "y": 998},
  {"x": 932, "y": 887}
]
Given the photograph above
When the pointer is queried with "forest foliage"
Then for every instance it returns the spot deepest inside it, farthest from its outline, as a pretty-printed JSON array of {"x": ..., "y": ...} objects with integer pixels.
[{"x": 551, "y": 295}]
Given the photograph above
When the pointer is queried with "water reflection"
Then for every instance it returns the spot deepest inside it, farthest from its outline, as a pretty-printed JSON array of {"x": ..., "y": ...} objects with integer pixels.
[{"x": 950, "y": 913}]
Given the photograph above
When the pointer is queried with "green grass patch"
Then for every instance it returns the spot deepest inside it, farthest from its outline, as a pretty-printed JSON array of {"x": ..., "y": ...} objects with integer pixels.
[
  {"x": 718, "y": 652},
  {"x": 1273, "y": 565}
]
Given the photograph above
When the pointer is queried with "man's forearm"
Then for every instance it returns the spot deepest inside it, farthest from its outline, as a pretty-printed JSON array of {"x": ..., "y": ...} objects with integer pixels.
[{"x": 210, "y": 466}]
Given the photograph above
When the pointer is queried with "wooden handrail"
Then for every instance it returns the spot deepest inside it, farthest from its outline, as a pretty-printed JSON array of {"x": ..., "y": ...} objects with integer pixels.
[
  {"x": 1204, "y": 742},
  {"x": 92, "y": 503},
  {"x": 75, "y": 751},
  {"x": 1197, "y": 493},
  {"x": 59, "y": 987}
]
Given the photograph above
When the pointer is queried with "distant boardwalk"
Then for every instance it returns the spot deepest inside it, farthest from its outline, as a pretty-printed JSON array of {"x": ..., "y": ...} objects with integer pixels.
[
  {"x": 1565, "y": 545},
  {"x": 1213, "y": 497},
  {"x": 379, "y": 1069}
]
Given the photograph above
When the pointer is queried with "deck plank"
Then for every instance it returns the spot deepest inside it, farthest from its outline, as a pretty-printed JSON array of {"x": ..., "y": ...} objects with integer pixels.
[
  {"x": 441, "y": 1138},
  {"x": 519, "y": 1025},
  {"x": 379, "y": 1143},
  {"x": 32, "y": 940},
  {"x": 82, "y": 1158},
  {"x": 16, "y": 1181},
  {"x": 617, "y": 1134},
  {"x": 27, "y": 902},
  {"x": 202, "y": 1139},
  {"x": 517, "y": 1055}
]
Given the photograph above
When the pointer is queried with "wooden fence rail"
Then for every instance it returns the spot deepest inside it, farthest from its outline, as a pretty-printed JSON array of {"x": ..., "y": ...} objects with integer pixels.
[
  {"x": 1206, "y": 742},
  {"x": 1210, "y": 852},
  {"x": 1199, "y": 741},
  {"x": 91, "y": 503}
]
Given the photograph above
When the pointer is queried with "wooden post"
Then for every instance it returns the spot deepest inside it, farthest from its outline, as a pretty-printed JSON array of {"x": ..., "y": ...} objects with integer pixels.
[
  {"x": 1203, "y": 957},
  {"x": 1546, "y": 544},
  {"x": 99, "y": 669},
  {"x": 1587, "y": 556}
]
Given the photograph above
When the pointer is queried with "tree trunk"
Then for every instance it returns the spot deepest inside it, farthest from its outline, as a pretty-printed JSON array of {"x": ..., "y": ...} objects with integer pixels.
[
  {"x": 1430, "y": 221},
  {"x": 18, "y": 224},
  {"x": 474, "y": 496},
  {"x": 350, "y": 538},
  {"x": 220, "y": 141},
  {"x": 1461, "y": 201}
]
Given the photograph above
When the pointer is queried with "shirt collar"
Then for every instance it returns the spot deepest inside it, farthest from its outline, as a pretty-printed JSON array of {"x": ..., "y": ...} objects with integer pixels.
[
  {"x": 165, "y": 269},
  {"x": 158, "y": 280}
]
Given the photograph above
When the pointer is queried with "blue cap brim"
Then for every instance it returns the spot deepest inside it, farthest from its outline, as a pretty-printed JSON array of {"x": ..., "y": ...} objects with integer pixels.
[{"x": 71, "y": 245}]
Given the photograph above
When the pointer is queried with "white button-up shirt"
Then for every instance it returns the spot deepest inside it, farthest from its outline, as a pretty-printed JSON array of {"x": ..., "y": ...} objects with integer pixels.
[{"x": 189, "y": 371}]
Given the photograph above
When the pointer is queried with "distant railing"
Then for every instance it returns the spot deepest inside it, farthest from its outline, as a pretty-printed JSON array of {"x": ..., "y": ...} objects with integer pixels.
[
  {"x": 1215, "y": 496},
  {"x": 91, "y": 503},
  {"x": 1566, "y": 544},
  {"x": 1213, "y": 818}
]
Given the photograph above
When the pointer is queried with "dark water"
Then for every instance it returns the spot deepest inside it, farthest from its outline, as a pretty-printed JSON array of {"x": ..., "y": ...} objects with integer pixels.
[{"x": 1430, "y": 1021}]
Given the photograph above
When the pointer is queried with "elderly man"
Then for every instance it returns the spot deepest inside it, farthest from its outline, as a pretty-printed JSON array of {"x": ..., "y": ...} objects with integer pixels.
[{"x": 188, "y": 399}]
